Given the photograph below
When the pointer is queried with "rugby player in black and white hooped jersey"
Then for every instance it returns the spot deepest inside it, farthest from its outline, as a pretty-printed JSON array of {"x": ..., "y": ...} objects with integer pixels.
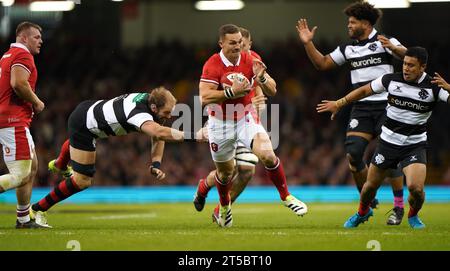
[
  {"x": 412, "y": 95},
  {"x": 96, "y": 119},
  {"x": 369, "y": 55}
]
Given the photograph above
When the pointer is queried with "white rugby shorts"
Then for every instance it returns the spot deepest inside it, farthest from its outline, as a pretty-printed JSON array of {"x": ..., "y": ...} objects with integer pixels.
[
  {"x": 17, "y": 143},
  {"x": 224, "y": 136}
]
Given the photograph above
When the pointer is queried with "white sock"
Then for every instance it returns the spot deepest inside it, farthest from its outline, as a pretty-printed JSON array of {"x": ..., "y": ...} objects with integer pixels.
[{"x": 23, "y": 213}]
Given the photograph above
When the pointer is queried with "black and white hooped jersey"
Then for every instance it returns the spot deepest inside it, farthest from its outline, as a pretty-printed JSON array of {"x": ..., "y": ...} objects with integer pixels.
[
  {"x": 409, "y": 107},
  {"x": 368, "y": 60},
  {"x": 118, "y": 116}
]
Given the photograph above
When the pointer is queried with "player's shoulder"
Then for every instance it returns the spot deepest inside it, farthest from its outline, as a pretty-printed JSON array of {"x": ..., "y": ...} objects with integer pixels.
[
  {"x": 255, "y": 55},
  {"x": 396, "y": 76},
  {"x": 214, "y": 59},
  {"x": 385, "y": 35}
]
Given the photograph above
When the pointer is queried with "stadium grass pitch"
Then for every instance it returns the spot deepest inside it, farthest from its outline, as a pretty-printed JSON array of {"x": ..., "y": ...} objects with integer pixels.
[{"x": 177, "y": 226}]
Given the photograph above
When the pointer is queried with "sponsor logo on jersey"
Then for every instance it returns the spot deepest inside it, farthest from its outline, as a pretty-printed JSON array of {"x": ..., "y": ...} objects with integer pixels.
[
  {"x": 354, "y": 123},
  {"x": 408, "y": 104},
  {"x": 423, "y": 94},
  {"x": 366, "y": 62},
  {"x": 214, "y": 147},
  {"x": 379, "y": 159},
  {"x": 413, "y": 158},
  {"x": 397, "y": 89},
  {"x": 373, "y": 47}
]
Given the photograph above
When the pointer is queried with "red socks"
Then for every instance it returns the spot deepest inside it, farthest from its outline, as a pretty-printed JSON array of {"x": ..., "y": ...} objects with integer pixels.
[
  {"x": 276, "y": 175},
  {"x": 64, "y": 156}
]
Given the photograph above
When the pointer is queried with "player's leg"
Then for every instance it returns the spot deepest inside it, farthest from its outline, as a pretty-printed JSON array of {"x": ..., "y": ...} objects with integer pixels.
[
  {"x": 244, "y": 175},
  {"x": 415, "y": 180},
  {"x": 225, "y": 174},
  {"x": 17, "y": 145},
  {"x": 246, "y": 162},
  {"x": 222, "y": 142},
  {"x": 84, "y": 169},
  {"x": 203, "y": 188},
  {"x": 355, "y": 146},
  {"x": 60, "y": 164},
  {"x": 375, "y": 177},
  {"x": 82, "y": 154},
  {"x": 262, "y": 148},
  {"x": 23, "y": 193},
  {"x": 415, "y": 170},
  {"x": 396, "y": 179}
]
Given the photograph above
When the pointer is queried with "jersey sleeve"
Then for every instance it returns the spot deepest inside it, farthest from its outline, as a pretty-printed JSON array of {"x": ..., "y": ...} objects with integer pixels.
[
  {"x": 338, "y": 55},
  {"x": 380, "y": 84},
  {"x": 24, "y": 60},
  {"x": 393, "y": 41},
  {"x": 139, "y": 115},
  {"x": 210, "y": 73},
  {"x": 444, "y": 95},
  {"x": 139, "y": 119}
]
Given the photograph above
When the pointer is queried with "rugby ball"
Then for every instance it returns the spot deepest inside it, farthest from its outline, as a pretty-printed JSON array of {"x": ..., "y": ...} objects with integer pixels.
[{"x": 228, "y": 78}]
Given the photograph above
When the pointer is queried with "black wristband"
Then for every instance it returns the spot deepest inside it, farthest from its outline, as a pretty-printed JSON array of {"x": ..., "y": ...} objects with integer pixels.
[
  {"x": 189, "y": 137},
  {"x": 156, "y": 164},
  {"x": 228, "y": 92}
]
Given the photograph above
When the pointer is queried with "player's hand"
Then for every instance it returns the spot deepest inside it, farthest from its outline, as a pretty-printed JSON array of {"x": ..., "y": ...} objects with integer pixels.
[
  {"x": 385, "y": 42},
  {"x": 438, "y": 80},
  {"x": 38, "y": 107},
  {"x": 202, "y": 135},
  {"x": 158, "y": 173},
  {"x": 259, "y": 102},
  {"x": 240, "y": 87},
  {"x": 304, "y": 33},
  {"x": 259, "y": 68},
  {"x": 328, "y": 106}
]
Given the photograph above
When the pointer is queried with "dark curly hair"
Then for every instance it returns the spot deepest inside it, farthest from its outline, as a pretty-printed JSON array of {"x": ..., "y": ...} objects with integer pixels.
[{"x": 363, "y": 11}]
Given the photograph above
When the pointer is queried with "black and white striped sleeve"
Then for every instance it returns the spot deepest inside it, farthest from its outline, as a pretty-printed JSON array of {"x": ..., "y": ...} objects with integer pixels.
[
  {"x": 338, "y": 55},
  {"x": 138, "y": 116},
  {"x": 380, "y": 84},
  {"x": 444, "y": 95}
]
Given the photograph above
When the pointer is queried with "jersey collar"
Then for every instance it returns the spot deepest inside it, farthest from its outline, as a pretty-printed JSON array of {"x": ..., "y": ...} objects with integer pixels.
[
  {"x": 20, "y": 45},
  {"x": 226, "y": 62},
  {"x": 424, "y": 74},
  {"x": 372, "y": 34}
]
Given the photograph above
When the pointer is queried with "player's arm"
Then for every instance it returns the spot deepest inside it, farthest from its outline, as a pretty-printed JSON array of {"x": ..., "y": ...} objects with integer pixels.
[
  {"x": 306, "y": 36},
  {"x": 156, "y": 156},
  {"x": 153, "y": 129},
  {"x": 335, "y": 106},
  {"x": 259, "y": 101},
  {"x": 438, "y": 80},
  {"x": 210, "y": 95},
  {"x": 265, "y": 81},
  {"x": 21, "y": 86},
  {"x": 398, "y": 51}
]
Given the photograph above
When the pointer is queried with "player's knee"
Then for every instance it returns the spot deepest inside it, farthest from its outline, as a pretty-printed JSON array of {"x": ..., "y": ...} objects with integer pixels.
[
  {"x": 225, "y": 175},
  {"x": 246, "y": 173},
  {"x": 269, "y": 159},
  {"x": 19, "y": 172},
  {"x": 416, "y": 190},
  {"x": 82, "y": 181},
  {"x": 355, "y": 147}
]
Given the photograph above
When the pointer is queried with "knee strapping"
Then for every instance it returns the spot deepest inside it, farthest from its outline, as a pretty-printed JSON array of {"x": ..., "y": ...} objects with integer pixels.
[
  {"x": 18, "y": 172},
  {"x": 88, "y": 170},
  {"x": 355, "y": 147}
]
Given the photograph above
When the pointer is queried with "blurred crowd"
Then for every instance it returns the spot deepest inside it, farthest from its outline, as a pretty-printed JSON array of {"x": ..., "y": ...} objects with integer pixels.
[{"x": 311, "y": 145}]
